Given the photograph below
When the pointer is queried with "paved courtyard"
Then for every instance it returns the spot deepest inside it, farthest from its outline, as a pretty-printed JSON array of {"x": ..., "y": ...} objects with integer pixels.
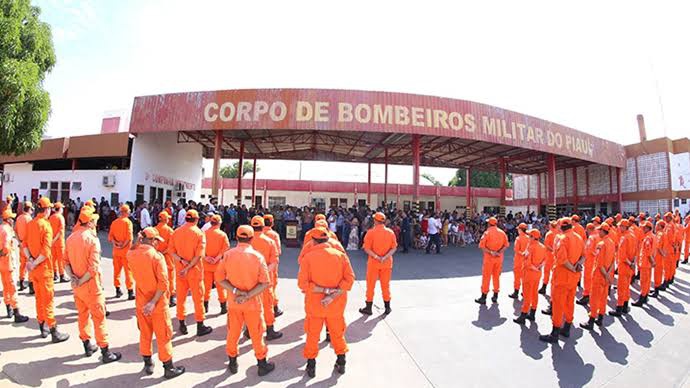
[{"x": 436, "y": 337}]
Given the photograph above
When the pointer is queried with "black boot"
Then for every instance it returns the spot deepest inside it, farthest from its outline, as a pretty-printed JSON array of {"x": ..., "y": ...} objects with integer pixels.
[
  {"x": 202, "y": 330},
  {"x": 481, "y": 300},
  {"x": 311, "y": 368},
  {"x": 89, "y": 348},
  {"x": 584, "y": 301},
  {"x": 265, "y": 367},
  {"x": 565, "y": 331},
  {"x": 173, "y": 301},
  {"x": 42, "y": 329},
  {"x": 548, "y": 311},
  {"x": 531, "y": 315},
  {"x": 600, "y": 320},
  {"x": 551, "y": 338},
  {"x": 655, "y": 293},
  {"x": 685, "y": 261},
  {"x": 107, "y": 356},
  {"x": 19, "y": 318},
  {"x": 640, "y": 301},
  {"x": 118, "y": 293},
  {"x": 514, "y": 295},
  {"x": 172, "y": 371},
  {"x": 56, "y": 336},
  {"x": 542, "y": 290},
  {"x": 21, "y": 285},
  {"x": 277, "y": 311},
  {"x": 521, "y": 319},
  {"x": 31, "y": 289},
  {"x": 663, "y": 287},
  {"x": 232, "y": 365},
  {"x": 367, "y": 310},
  {"x": 148, "y": 365},
  {"x": 626, "y": 308},
  {"x": 64, "y": 279},
  {"x": 494, "y": 299},
  {"x": 617, "y": 313},
  {"x": 271, "y": 334},
  {"x": 388, "y": 308},
  {"x": 183, "y": 328},
  {"x": 340, "y": 364},
  {"x": 206, "y": 307},
  {"x": 55, "y": 278},
  {"x": 130, "y": 294},
  {"x": 10, "y": 313},
  {"x": 223, "y": 308},
  {"x": 589, "y": 325}
]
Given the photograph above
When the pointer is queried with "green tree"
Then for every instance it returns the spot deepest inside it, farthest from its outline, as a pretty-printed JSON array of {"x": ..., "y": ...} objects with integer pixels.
[
  {"x": 26, "y": 56},
  {"x": 431, "y": 179},
  {"x": 232, "y": 170},
  {"x": 490, "y": 179}
]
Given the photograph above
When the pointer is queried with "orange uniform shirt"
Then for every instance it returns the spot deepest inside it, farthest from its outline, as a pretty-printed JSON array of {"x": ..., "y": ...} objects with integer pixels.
[
  {"x": 536, "y": 256},
  {"x": 605, "y": 252},
  {"x": 268, "y": 231},
  {"x": 580, "y": 230},
  {"x": 216, "y": 244},
  {"x": 521, "y": 243},
  {"x": 121, "y": 230},
  {"x": 20, "y": 225},
  {"x": 83, "y": 254},
  {"x": 188, "y": 242},
  {"x": 244, "y": 267},
  {"x": 6, "y": 235},
  {"x": 627, "y": 250},
  {"x": 665, "y": 243},
  {"x": 311, "y": 245},
  {"x": 591, "y": 246},
  {"x": 165, "y": 231},
  {"x": 380, "y": 240},
  {"x": 493, "y": 239},
  {"x": 150, "y": 275},
  {"x": 568, "y": 248},
  {"x": 325, "y": 267},
  {"x": 264, "y": 245},
  {"x": 687, "y": 232},
  {"x": 57, "y": 224},
  {"x": 39, "y": 240},
  {"x": 648, "y": 249},
  {"x": 309, "y": 234}
]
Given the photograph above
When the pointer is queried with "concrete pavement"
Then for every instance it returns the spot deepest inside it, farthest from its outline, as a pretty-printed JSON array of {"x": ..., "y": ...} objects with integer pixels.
[{"x": 436, "y": 337}]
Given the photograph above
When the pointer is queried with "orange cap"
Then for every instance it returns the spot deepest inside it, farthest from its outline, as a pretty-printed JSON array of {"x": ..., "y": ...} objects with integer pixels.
[
  {"x": 566, "y": 221},
  {"x": 522, "y": 226},
  {"x": 268, "y": 217},
  {"x": 245, "y": 231},
  {"x": 257, "y": 221},
  {"x": 661, "y": 224},
  {"x": 90, "y": 203},
  {"x": 124, "y": 209},
  {"x": 631, "y": 219},
  {"x": 609, "y": 221},
  {"x": 163, "y": 216},
  {"x": 7, "y": 214},
  {"x": 321, "y": 224},
  {"x": 575, "y": 217},
  {"x": 605, "y": 227},
  {"x": 668, "y": 215},
  {"x": 553, "y": 224},
  {"x": 44, "y": 203},
  {"x": 647, "y": 224},
  {"x": 624, "y": 223},
  {"x": 9, "y": 198},
  {"x": 535, "y": 233},
  {"x": 596, "y": 220},
  {"x": 192, "y": 214},
  {"x": 319, "y": 233},
  {"x": 618, "y": 216},
  {"x": 87, "y": 214},
  {"x": 151, "y": 233},
  {"x": 216, "y": 219},
  {"x": 492, "y": 221},
  {"x": 58, "y": 205},
  {"x": 379, "y": 217},
  {"x": 319, "y": 217},
  {"x": 642, "y": 215},
  {"x": 590, "y": 226}
]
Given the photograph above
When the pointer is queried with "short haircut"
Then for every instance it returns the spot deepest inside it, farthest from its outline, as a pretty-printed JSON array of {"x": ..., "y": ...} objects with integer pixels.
[{"x": 244, "y": 239}]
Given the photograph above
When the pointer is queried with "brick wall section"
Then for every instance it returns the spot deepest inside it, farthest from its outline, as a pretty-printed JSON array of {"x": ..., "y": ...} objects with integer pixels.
[
  {"x": 520, "y": 186},
  {"x": 533, "y": 187},
  {"x": 560, "y": 180},
  {"x": 629, "y": 177},
  {"x": 569, "y": 182},
  {"x": 599, "y": 180},
  {"x": 581, "y": 181},
  {"x": 655, "y": 206},
  {"x": 629, "y": 206},
  {"x": 653, "y": 172}
]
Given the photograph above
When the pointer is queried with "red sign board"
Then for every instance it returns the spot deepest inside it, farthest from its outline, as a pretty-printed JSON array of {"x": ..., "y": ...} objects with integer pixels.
[{"x": 353, "y": 110}]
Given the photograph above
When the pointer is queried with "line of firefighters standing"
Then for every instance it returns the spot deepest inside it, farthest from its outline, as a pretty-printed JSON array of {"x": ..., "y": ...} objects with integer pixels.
[
  {"x": 162, "y": 266},
  {"x": 572, "y": 256}
]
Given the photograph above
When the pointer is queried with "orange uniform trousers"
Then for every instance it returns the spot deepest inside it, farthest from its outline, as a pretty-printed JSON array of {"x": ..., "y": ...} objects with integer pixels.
[
  {"x": 530, "y": 287},
  {"x": 90, "y": 303},
  {"x": 253, "y": 319},
  {"x": 659, "y": 271},
  {"x": 563, "y": 303},
  {"x": 687, "y": 249},
  {"x": 42, "y": 278},
  {"x": 209, "y": 273},
  {"x": 120, "y": 264},
  {"x": 518, "y": 271},
  {"x": 336, "y": 329},
  {"x": 58, "y": 255},
  {"x": 645, "y": 280},
  {"x": 157, "y": 323},
  {"x": 491, "y": 271},
  {"x": 669, "y": 266},
  {"x": 193, "y": 282},
  {"x": 22, "y": 265},
  {"x": 9, "y": 293},
  {"x": 597, "y": 298},
  {"x": 548, "y": 267},
  {"x": 267, "y": 300},
  {"x": 625, "y": 276},
  {"x": 383, "y": 275},
  {"x": 587, "y": 275},
  {"x": 170, "y": 266},
  {"x": 274, "y": 283}
]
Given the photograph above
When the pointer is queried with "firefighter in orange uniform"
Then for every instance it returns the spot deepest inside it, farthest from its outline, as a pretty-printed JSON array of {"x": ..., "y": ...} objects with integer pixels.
[
  {"x": 686, "y": 232},
  {"x": 549, "y": 239},
  {"x": 268, "y": 231},
  {"x": 9, "y": 293},
  {"x": 57, "y": 224},
  {"x": 590, "y": 253},
  {"x": 188, "y": 247},
  {"x": 264, "y": 245},
  {"x": 165, "y": 231},
  {"x": 20, "y": 228},
  {"x": 311, "y": 244},
  {"x": 244, "y": 274},
  {"x": 121, "y": 235},
  {"x": 83, "y": 264},
  {"x": 679, "y": 243},
  {"x": 646, "y": 261},
  {"x": 536, "y": 254},
  {"x": 627, "y": 253},
  {"x": 325, "y": 276},
  {"x": 521, "y": 242},
  {"x": 153, "y": 314},
  {"x": 602, "y": 277},
  {"x": 37, "y": 249},
  {"x": 493, "y": 243},
  {"x": 578, "y": 228},
  {"x": 380, "y": 245},
  {"x": 216, "y": 245},
  {"x": 659, "y": 262},
  {"x": 666, "y": 250},
  {"x": 569, "y": 250}
]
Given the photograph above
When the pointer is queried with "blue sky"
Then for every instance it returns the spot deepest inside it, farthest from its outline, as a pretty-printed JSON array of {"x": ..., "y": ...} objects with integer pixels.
[{"x": 593, "y": 67}]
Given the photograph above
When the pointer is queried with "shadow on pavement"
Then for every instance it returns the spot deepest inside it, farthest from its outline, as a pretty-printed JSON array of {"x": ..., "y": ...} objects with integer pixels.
[
  {"x": 570, "y": 368},
  {"x": 489, "y": 318}
]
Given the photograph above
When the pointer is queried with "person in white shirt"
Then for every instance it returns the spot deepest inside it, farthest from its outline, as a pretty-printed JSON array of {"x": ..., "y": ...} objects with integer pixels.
[
  {"x": 181, "y": 214},
  {"x": 144, "y": 216},
  {"x": 207, "y": 222},
  {"x": 434, "y": 236}
]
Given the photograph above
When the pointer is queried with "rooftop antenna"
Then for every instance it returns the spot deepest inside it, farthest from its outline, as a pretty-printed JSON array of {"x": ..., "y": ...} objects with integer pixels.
[{"x": 658, "y": 95}]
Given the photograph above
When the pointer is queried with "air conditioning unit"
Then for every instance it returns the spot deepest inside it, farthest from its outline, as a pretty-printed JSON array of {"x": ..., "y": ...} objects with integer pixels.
[
  {"x": 6, "y": 177},
  {"x": 179, "y": 187},
  {"x": 109, "y": 180}
]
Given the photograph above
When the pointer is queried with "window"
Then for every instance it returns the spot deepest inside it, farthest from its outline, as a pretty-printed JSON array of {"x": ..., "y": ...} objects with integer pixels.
[
  {"x": 362, "y": 202},
  {"x": 203, "y": 196},
  {"x": 406, "y": 206},
  {"x": 343, "y": 202},
  {"x": 114, "y": 199},
  {"x": 64, "y": 191},
  {"x": 258, "y": 200},
  {"x": 683, "y": 201},
  {"x": 431, "y": 205},
  {"x": 44, "y": 186},
  {"x": 334, "y": 202},
  {"x": 140, "y": 194},
  {"x": 276, "y": 201},
  {"x": 53, "y": 193},
  {"x": 318, "y": 203},
  {"x": 159, "y": 194},
  {"x": 76, "y": 186},
  {"x": 168, "y": 195},
  {"x": 152, "y": 194}
]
